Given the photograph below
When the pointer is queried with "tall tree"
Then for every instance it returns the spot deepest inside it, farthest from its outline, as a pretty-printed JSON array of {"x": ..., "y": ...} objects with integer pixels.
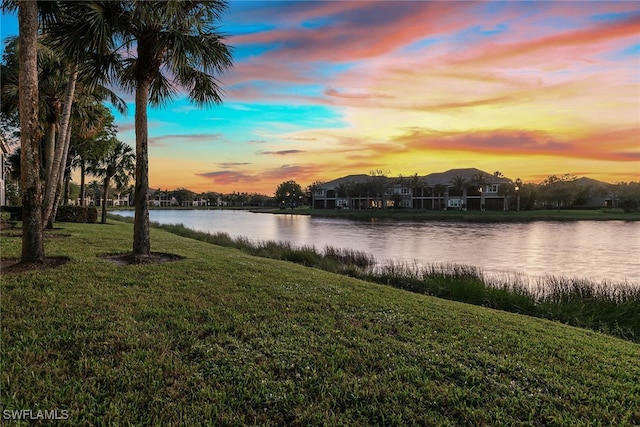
[
  {"x": 59, "y": 77},
  {"x": 88, "y": 64},
  {"x": 289, "y": 193},
  {"x": 628, "y": 195},
  {"x": 117, "y": 164},
  {"x": 559, "y": 191},
  {"x": 459, "y": 184},
  {"x": 378, "y": 184},
  {"x": 438, "y": 190},
  {"x": 90, "y": 139},
  {"x": 163, "y": 45},
  {"x": 51, "y": 83},
  {"x": 32, "y": 233},
  {"x": 480, "y": 181}
]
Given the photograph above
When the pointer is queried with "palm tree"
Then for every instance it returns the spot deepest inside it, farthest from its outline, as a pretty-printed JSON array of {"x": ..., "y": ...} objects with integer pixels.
[
  {"x": 378, "y": 184},
  {"x": 94, "y": 190},
  {"x": 438, "y": 189},
  {"x": 176, "y": 36},
  {"x": 32, "y": 233},
  {"x": 160, "y": 39},
  {"x": 459, "y": 184},
  {"x": 418, "y": 183},
  {"x": 117, "y": 164},
  {"x": 59, "y": 81},
  {"x": 89, "y": 139},
  {"x": 51, "y": 86},
  {"x": 480, "y": 180}
]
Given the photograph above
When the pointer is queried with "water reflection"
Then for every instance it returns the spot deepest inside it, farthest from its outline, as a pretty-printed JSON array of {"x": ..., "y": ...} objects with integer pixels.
[{"x": 607, "y": 250}]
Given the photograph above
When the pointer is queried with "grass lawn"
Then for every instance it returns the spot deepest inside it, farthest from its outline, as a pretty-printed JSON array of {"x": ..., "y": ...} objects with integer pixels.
[{"x": 224, "y": 338}]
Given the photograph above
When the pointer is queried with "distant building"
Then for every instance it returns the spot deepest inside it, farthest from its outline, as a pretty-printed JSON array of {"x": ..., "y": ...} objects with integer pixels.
[
  {"x": 158, "y": 198},
  {"x": 121, "y": 199},
  {"x": 595, "y": 194},
  {"x": 479, "y": 190},
  {"x": 200, "y": 201}
]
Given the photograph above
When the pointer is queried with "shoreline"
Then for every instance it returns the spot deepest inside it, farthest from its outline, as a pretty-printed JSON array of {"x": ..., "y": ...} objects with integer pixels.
[
  {"x": 427, "y": 215},
  {"x": 467, "y": 216},
  {"x": 225, "y": 336},
  {"x": 577, "y": 301}
]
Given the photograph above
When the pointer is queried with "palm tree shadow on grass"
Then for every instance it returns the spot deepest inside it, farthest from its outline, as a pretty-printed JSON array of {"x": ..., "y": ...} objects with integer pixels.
[
  {"x": 133, "y": 259},
  {"x": 15, "y": 266}
]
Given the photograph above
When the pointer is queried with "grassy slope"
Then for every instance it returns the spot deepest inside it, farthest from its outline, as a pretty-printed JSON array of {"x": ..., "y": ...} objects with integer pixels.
[{"x": 225, "y": 338}]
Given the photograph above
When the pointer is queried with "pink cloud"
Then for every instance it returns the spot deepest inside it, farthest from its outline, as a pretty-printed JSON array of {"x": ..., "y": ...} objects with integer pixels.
[
  {"x": 574, "y": 45},
  {"x": 361, "y": 30},
  {"x": 280, "y": 152},
  {"x": 355, "y": 95},
  {"x": 519, "y": 142},
  {"x": 228, "y": 177}
]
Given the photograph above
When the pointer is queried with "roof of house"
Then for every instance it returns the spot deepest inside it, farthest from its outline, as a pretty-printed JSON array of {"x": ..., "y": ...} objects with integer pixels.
[
  {"x": 590, "y": 182},
  {"x": 437, "y": 178},
  {"x": 345, "y": 180},
  {"x": 445, "y": 178}
]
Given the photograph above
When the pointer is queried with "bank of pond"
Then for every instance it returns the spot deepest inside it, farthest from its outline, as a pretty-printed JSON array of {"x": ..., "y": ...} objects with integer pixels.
[
  {"x": 607, "y": 307},
  {"x": 467, "y": 216}
]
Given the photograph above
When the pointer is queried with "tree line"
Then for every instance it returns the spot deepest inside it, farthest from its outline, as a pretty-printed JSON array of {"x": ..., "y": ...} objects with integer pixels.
[
  {"x": 554, "y": 192},
  {"x": 56, "y": 77}
]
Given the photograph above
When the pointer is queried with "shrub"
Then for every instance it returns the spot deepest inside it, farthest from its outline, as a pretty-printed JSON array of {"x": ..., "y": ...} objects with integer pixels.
[
  {"x": 77, "y": 214},
  {"x": 15, "y": 212}
]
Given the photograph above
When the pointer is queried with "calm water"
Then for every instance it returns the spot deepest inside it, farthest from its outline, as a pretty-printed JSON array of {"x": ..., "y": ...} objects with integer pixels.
[{"x": 608, "y": 250}]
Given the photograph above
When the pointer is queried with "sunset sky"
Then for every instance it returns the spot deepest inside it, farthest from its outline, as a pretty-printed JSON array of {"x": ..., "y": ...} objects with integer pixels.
[{"x": 320, "y": 90}]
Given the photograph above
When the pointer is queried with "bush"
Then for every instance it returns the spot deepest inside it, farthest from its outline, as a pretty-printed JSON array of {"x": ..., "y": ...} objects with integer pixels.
[
  {"x": 77, "y": 214},
  {"x": 15, "y": 212}
]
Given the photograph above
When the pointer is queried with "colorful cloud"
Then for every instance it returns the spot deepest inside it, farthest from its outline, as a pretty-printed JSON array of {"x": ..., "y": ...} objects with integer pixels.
[{"x": 323, "y": 89}]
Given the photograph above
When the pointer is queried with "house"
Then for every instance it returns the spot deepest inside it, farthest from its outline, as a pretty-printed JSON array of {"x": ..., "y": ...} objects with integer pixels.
[
  {"x": 200, "y": 201},
  {"x": 159, "y": 198},
  {"x": 339, "y": 193},
  {"x": 468, "y": 188},
  {"x": 591, "y": 194},
  {"x": 481, "y": 190},
  {"x": 121, "y": 199}
]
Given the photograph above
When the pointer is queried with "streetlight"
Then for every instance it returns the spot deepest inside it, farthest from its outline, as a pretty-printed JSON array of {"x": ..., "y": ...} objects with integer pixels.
[{"x": 518, "y": 186}]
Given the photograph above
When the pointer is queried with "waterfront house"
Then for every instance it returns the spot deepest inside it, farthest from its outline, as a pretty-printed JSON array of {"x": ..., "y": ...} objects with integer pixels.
[
  {"x": 160, "y": 198},
  {"x": 121, "y": 199},
  {"x": 458, "y": 189},
  {"x": 200, "y": 201}
]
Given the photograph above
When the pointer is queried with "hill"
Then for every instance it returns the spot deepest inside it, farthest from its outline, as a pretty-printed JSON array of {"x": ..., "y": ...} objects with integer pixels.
[{"x": 224, "y": 338}]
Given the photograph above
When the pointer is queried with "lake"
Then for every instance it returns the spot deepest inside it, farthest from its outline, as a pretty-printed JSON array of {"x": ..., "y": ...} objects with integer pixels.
[{"x": 596, "y": 250}]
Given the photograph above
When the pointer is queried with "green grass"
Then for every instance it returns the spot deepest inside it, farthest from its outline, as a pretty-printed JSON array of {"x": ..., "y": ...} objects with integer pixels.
[
  {"x": 612, "y": 308},
  {"x": 224, "y": 338}
]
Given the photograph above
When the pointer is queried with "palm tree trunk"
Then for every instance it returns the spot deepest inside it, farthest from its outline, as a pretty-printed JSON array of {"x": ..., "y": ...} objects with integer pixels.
[
  {"x": 49, "y": 147},
  {"x": 63, "y": 167},
  {"x": 141, "y": 241},
  {"x": 67, "y": 182},
  {"x": 32, "y": 238},
  {"x": 82, "y": 183},
  {"x": 105, "y": 193},
  {"x": 62, "y": 149}
]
